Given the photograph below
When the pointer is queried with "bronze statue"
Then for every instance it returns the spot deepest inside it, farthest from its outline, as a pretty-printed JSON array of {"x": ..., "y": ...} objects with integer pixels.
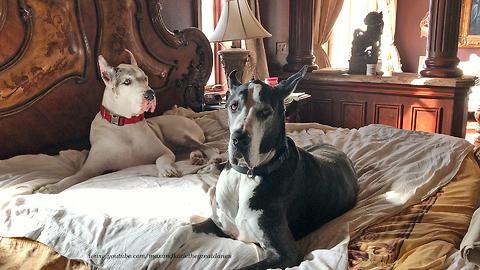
[{"x": 366, "y": 44}]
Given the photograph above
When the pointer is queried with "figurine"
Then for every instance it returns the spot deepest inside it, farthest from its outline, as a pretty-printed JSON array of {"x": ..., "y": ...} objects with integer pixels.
[{"x": 366, "y": 44}]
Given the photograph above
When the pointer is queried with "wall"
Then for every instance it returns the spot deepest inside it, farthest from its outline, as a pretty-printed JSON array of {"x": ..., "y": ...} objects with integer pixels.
[
  {"x": 407, "y": 36},
  {"x": 274, "y": 18}
]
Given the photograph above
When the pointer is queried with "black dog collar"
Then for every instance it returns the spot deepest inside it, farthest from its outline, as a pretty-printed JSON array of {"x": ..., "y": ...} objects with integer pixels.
[{"x": 270, "y": 167}]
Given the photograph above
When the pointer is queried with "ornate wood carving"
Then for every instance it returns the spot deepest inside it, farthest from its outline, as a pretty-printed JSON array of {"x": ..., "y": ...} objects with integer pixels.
[
  {"x": 193, "y": 89},
  {"x": 13, "y": 33},
  {"x": 3, "y": 14},
  {"x": 172, "y": 39},
  {"x": 202, "y": 68},
  {"x": 54, "y": 51}
]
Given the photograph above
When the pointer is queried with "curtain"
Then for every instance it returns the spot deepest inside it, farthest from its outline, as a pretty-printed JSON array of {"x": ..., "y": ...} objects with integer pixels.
[
  {"x": 257, "y": 60},
  {"x": 390, "y": 56},
  {"x": 325, "y": 14}
]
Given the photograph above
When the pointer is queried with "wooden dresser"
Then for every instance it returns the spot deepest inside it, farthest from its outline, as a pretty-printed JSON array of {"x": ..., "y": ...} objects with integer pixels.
[{"x": 403, "y": 100}]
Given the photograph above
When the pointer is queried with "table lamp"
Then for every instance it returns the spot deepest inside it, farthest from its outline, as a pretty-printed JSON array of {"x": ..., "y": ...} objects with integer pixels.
[{"x": 236, "y": 22}]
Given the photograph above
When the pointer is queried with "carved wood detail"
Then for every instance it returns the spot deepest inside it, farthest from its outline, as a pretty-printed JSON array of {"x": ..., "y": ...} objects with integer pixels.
[
  {"x": 56, "y": 50},
  {"x": 13, "y": 33},
  {"x": 3, "y": 14},
  {"x": 172, "y": 39}
]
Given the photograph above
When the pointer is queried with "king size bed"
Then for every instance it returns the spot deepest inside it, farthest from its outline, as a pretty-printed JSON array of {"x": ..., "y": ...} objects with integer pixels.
[{"x": 417, "y": 204}]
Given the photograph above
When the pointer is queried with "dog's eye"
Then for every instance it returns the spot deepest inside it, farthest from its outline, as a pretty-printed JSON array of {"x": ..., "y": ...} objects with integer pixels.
[
  {"x": 127, "y": 82},
  {"x": 234, "y": 106},
  {"x": 266, "y": 112}
]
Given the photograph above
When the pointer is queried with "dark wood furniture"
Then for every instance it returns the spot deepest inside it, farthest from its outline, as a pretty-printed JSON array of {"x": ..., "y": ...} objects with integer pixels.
[
  {"x": 297, "y": 108},
  {"x": 404, "y": 101},
  {"x": 50, "y": 89}
]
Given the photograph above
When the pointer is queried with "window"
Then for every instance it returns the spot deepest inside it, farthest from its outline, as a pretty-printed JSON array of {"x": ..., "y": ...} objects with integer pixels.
[
  {"x": 210, "y": 13},
  {"x": 351, "y": 17}
]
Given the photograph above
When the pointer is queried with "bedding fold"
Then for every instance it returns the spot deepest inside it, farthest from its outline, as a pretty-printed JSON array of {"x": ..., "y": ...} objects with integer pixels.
[{"x": 470, "y": 246}]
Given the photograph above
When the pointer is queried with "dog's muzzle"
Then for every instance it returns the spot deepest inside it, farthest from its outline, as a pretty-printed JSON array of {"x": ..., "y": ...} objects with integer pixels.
[
  {"x": 241, "y": 140},
  {"x": 240, "y": 146},
  {"x": 149, "y": 95}
]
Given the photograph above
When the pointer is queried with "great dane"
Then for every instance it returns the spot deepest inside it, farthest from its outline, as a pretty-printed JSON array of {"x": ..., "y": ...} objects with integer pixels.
[
  {"x": 120, "y": 136},
  {"x": 271, "y": 192}
]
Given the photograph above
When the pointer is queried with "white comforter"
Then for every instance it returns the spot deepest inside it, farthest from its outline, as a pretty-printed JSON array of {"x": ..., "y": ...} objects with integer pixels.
[{"x": 113, "y": 221}]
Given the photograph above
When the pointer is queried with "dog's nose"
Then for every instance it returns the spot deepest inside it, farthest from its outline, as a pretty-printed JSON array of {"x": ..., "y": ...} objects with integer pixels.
[
  {"x": 240, "y": 139},
  {"x": 149, "y": 95}
]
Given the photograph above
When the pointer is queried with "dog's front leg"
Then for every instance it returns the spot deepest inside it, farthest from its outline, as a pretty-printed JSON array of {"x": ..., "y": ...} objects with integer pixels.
[
  {"x": 164, "y": 256},
  {"x": 278, "y": 241},
  {"x": 161, "y": 258},
  {"x": 90, "y": 169},
  {"x": 165, "y": 165}
]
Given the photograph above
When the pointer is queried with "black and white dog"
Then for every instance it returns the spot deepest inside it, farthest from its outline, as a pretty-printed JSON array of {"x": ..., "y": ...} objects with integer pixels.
[{"x": 272, "y": 193}]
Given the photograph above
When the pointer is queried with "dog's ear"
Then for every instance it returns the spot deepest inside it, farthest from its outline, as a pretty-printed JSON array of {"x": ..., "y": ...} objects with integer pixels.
[
  {"x": 133, "y": 62},
  {"x": 233, "y": 82},
  {"x": 286, "y": 87},
  {"x": 105, "y": 70}
]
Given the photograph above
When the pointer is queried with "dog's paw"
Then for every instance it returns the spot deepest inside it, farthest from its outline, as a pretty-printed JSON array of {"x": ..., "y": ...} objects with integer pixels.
[
  {"x": 167, "y": 170},
  {"x": 217, "y": 159},
  {"x": 48, "y": 189},
  {"x": 214, "y": 168},
  {"x": 196, "y": 158}
]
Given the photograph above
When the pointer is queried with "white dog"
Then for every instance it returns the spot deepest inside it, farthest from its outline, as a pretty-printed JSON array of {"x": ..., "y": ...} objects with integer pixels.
[{"x": 121, "y": 137}]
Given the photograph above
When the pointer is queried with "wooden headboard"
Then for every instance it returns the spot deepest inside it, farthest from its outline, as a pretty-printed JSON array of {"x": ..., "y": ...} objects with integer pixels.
[{"x": 50, "y": 88}]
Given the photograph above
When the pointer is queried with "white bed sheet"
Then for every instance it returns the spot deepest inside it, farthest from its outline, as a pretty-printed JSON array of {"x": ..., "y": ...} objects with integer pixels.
[{"x": 131, "y": 212}]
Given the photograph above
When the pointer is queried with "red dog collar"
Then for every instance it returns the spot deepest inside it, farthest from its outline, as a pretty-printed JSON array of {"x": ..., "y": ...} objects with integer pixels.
[{"x": 120, "y": 120}]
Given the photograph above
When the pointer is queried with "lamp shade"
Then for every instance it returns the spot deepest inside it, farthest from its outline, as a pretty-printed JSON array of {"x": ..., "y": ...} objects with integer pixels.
[{"x": 237, "y": 22}]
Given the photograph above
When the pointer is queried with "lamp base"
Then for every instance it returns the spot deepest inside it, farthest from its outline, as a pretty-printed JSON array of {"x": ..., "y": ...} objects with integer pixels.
[{"x": 234, "y": 59}]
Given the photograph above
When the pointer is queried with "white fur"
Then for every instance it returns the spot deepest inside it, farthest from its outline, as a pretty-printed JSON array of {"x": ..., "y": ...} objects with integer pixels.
[
  {"x": 117, "y": 147},
  {"x": 126, "y": 100},
  {"x": 232, "y": 212}
]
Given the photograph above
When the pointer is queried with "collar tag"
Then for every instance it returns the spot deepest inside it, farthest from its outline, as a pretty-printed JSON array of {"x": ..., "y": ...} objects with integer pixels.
[{"x": 115, "y": 120}]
